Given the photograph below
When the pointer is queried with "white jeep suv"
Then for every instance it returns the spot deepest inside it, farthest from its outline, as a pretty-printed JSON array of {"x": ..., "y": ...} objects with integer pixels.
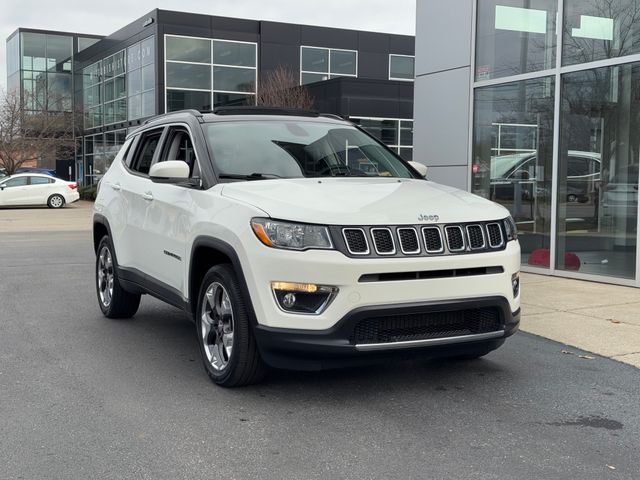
[{"x": 299, "y": 241}]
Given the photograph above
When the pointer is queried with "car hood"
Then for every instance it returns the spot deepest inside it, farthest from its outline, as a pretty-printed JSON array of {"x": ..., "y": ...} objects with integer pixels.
[{"x": 363, "y": 201}]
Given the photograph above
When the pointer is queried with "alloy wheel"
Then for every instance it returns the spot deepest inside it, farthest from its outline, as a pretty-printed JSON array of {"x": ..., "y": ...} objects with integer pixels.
[
  {"x": 216, "y": 326},
  {"x": 105, "y": 276}
]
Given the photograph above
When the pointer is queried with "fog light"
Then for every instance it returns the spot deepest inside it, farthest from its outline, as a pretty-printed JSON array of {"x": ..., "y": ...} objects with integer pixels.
[
  {"x": 515, "y": 284},
  {"x": 304, "y": 298},
  {"x": 289, "y": 300}
]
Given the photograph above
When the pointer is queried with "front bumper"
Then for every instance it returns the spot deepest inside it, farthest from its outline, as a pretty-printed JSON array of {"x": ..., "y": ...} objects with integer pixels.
[{"x": 319, "y": 349}]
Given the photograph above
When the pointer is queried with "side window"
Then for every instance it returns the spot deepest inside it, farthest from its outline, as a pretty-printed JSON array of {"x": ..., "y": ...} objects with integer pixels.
[
  {"x": 577, "y": 167},
  {"x": 40, "y": 180},
  {"x": 15, "y": 182},
  {"x": 145, "y": 152},
  {"x": 180, "y": 147}
]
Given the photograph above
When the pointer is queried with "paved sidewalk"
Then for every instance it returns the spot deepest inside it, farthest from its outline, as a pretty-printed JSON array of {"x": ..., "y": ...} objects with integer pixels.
[
  {"x": 74, "y": 217},
  {"x": 600, "y": 318}
]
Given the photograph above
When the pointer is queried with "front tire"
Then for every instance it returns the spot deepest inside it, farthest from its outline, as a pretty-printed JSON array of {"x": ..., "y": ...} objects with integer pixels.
[
  {"x": 55, "y": 201},
  {"x": 114, "y": 301},
  {"x": 227, "y": 345}
]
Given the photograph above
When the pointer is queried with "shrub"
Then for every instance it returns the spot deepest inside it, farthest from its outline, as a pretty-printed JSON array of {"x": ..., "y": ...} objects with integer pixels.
[{"x": 88, "y": 192}]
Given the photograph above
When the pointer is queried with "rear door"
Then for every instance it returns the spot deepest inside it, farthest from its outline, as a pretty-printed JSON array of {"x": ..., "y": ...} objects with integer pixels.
[{"x": 40, "y": 188}]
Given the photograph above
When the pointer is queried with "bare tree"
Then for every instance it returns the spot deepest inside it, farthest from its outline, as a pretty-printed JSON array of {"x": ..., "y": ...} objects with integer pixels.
[
  {"x": 280, "y": 88},
  {"x": 31, "y": 134}
]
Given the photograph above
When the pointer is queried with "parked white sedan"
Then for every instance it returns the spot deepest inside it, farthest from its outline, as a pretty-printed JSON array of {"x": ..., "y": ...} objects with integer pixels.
[{"x": 36, "y": 189}]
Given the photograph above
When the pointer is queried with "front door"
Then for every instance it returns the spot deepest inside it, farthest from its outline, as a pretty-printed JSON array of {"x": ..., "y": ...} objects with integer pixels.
[{"x": 14, "y": 191}]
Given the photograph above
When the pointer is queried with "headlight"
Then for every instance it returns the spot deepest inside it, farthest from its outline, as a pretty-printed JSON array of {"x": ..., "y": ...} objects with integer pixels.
[
  {"x": 293, "y": 236},
  {"x": 510, "y": 228}
]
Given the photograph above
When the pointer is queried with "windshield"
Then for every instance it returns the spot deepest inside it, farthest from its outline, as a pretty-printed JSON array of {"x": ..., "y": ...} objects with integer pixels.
[{"x": 294, "y": 149}]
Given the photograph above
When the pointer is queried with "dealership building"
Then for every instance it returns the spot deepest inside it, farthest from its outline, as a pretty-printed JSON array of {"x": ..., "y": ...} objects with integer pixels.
[
  {"x": 167, "y": 61},
  {"x": 536, "y": 104}
]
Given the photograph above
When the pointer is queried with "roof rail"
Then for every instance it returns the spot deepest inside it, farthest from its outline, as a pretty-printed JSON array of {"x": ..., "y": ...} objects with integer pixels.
[
  {"x": 191, "y": 111},
  {"x": 258, "y": 110}
]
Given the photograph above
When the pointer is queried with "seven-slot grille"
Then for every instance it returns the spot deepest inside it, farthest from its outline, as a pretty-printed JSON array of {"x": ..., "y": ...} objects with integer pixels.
[{"x": 423, "y": 240}]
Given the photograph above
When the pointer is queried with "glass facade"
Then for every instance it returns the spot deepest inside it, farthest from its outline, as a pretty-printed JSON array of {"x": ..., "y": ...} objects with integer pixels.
[
  {"x": 203, "y": 73},
  {"x": 401, "y": 67},
  {"x": 318, "y": 64},
  {"x": 120, "y": 87},
  {"x": 397, "y": 134},
  {"x": 45, "y": 71},
  {"x": 559, "y": 144},
  {"x": 514, "y": 37}
]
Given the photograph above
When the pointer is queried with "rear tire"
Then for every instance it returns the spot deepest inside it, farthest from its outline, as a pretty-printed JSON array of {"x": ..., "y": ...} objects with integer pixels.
[
  {"x": 225, "y": 335},
  {"x": 55, "y": 201},
  {"x": 114, "y": 301}
]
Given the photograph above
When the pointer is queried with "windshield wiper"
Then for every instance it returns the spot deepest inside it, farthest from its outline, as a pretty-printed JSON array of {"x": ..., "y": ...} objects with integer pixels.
[{"x": 253, "y": 176}]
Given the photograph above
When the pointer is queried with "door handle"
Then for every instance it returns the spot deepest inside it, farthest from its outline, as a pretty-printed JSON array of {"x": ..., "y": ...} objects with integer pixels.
[
  {"x": 147, "y": 196},
  {"x": 115, "y": 186}
]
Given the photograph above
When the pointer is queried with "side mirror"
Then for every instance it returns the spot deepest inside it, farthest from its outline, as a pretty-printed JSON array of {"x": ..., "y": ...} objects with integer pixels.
[
  {"x": 171, "y": 171},
  {"x": 419, "y": 167}
]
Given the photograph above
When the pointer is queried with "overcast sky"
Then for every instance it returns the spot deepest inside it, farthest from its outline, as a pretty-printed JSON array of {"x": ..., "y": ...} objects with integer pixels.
[{"x": 105, "y": 17}]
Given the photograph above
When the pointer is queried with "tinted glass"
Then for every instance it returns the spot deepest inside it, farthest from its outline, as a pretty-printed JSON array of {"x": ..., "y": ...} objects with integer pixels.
[
  {"x": 34, "y": 51},
  {"x": 134, "y": 82},
  {"x": 147, "y": 51},
  {"x": 406, "y": 133},
  {"x": 299, "y": 149},
  {"x": 401, "y": 67},
  {"x": 513, "y": 155},
  {"x": 148, "y": 104},
  {"x": 59, "y": 50},
  {"x": 315, "y": 60},
  {"x": 40, "y": 180},
  {"x": 85, "y": 42},
  {"x": 183, "y": 75},
  {"x": 234, "y": 79},
  {"x": 134, "y": 106},
  {"x": 232, "y": 99},
  {"x": 313, "y": 77},
  {"x": 188, "y": 49},
  {"x": 343, "y": 63},
  {"x": 13, "y": 55},
  {"x": 515, "y": 36},
  {"x": 59, "y": 92},
  {"x": 232, "y": 53},
  {"x": 598, "y": 171},
  {"x": 15, "y": 182},
  {"x": 146, "y": 150},
  {"x": 148, "y": 77},
  {"x": 599, "y": 29},
  {"x": 181, "y": 99},
  {"x": 134, "y": 57},
  {"x": 384, "y": 130}
]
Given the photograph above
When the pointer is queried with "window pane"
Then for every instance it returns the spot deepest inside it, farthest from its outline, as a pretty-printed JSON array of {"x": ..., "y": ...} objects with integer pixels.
[
  {"x": 148, "y": 103},
  {"x": 180, "y": 99},
  {"x": 118, "y": 64},
  {"x": 315, "y": 60},
  {"x": 406, "y": 133},
  {"x": 59, "y": 92},
  {"x": 232, "y": 99},
  {"x": 188, "y": 49},
  {"x": 599, "y": 29},
  {"x": 108, "y": 91},
  {"x": 384, "y": 130},
  {"x": 120, "y": 111},
  {"x": 231, "y": 53},
  {"x": 313, "y": 77},
  {"x": 119, "y": 87},
  {"x": 148, "y": 77},
  {"x": 517, "y": 175},
  {"x": 234, "y": 79},
  {"x": 187, "y": 75},
  {"x": 40, "y": 180},
  {"x": 16, "y": 182},
  {"x": 33, "y": 51},
  {"x": 85, "y": 42},
  {"x": 147, "y": 50},
  {"x": 401, "y": 67},
  {"x": 59, "y": 50},
  {"x": 406, "y": 154},
  {"x": 598, "y": 171},
  {"x": 343, "y": 63},
  {"x": 134, "y": 58},
  {"x": 134, "y": 82},
  {"x": 515, "y": 36},
  {"x": 134, "y": 107}
]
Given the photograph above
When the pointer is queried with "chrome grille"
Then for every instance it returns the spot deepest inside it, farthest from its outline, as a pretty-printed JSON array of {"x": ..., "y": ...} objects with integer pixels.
[
  {"x": 432, "y": 240},
  {"x": 494, "y": 233},
  {"x": 455, "y": 238},
  {"x": 475, "y": 235},
  {"x": 383, "y": 241},
  {"x": 409, "y": 243},
  {"x": 356, "y": 241}
]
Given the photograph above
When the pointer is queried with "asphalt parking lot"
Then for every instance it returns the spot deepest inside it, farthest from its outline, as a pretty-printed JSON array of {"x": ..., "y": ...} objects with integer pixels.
[{"x": 86, "y": 397}]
